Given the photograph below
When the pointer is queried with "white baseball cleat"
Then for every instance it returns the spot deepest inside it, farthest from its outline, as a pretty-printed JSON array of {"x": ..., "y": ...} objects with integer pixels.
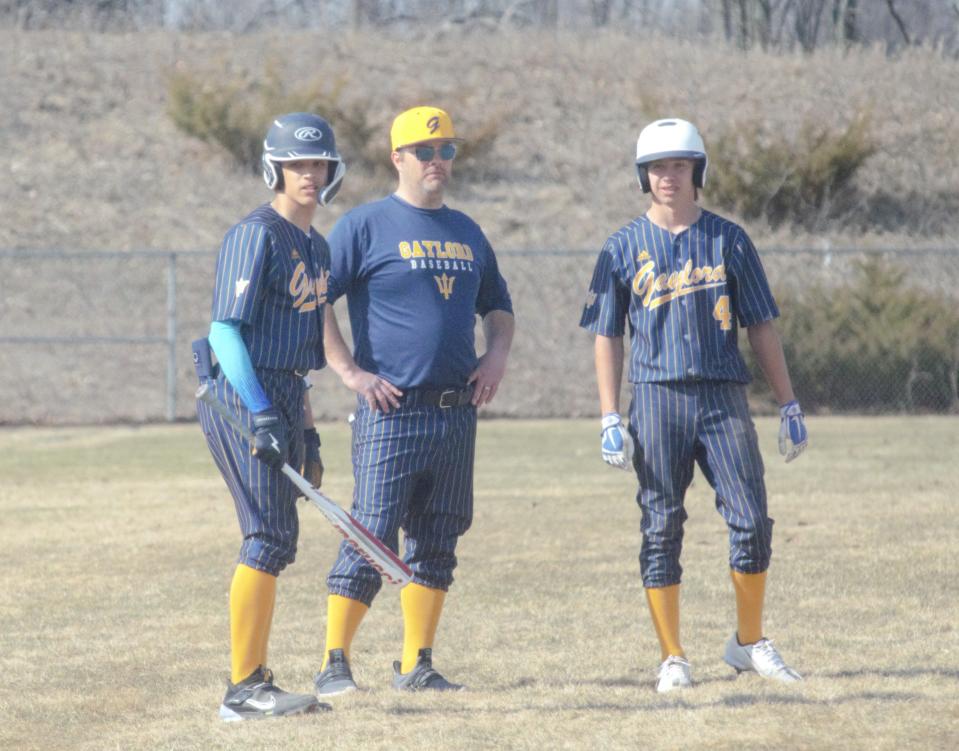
[
  {"x": 673, "y": 674},
  {"x": 761, "y": 657}
]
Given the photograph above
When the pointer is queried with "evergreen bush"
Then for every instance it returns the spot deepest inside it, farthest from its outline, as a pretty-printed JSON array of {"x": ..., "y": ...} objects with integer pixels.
[
  {"x": 872, "y": 344},
  {"x": 800, "y": 182}
]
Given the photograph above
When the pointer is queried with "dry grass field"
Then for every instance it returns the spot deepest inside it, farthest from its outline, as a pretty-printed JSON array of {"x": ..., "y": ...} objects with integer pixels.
[{"x": 118, "y": 547}]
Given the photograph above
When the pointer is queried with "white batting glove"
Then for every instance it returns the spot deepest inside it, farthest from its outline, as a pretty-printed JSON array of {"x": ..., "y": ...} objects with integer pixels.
[
  {"x": 793, "y": 438},
  {"x": 617, "y": 444}
]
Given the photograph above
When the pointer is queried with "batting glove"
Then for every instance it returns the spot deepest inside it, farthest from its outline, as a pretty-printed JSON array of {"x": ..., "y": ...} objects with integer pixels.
[
  {"x": 312, "y": 463},
  {"x": 792, "y": 431},
  {"x": 270, "y": 443},
  {"x": 617, "y": 443}
]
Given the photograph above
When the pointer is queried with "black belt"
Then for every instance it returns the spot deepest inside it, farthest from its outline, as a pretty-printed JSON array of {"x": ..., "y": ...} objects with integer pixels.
[
  {"x": 436, "y": 398},
  {"x": 288, "y": 371}
]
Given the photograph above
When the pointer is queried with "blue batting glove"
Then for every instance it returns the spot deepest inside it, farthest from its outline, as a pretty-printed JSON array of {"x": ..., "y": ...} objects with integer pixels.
[
  {"x": 793, "y": 438},
  {"x": 617, "y": 444}
]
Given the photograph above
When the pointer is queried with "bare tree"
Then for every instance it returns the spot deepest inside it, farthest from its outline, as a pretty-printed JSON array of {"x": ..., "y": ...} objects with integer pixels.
[
  {"x": 599, "y": 11},
  {"x": 807, "y": 21},
  {"x": 898, "y": 19},
  {"x": 770, "y": 24},
  {"x": 727, "y": 16},
  {"x": 748, "y": 22},
  {"x": 845, "y": 21}
]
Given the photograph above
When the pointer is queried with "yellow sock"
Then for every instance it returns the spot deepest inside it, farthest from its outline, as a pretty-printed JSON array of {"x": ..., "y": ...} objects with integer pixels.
[
  {"x": 750, "y": 593},
  {"x": 343, "y": 618},
  {"x": 664, "y": 610},
  {"x": 422, "y": 607},
  {"x": 265, "y": 641},
  {"x": 252, "y": 595}
]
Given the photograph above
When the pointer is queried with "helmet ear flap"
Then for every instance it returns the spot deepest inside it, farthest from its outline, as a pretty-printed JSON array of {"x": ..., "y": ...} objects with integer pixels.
[
  {"x": 271, "y": 175},
  {"x": 699, "y": 173},
  {"x": 326, "y": 196},
  {"x": 643, "y": 174}
]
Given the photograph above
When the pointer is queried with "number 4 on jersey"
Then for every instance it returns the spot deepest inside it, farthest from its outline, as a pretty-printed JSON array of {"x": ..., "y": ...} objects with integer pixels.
[{"x": 722, "y": 314}]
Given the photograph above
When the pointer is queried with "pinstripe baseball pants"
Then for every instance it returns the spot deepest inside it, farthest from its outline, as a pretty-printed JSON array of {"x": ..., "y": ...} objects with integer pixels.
[
  {"x": 265, "y": 498},
  {"x": 707, "y": 422},
  {"x": 413, "y": 470}
]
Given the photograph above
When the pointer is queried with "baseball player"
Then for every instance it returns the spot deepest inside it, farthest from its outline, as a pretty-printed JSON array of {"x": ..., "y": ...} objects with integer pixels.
[
  {"x": 687, "y": 280},
  {"x": 267, "y": 333},
  {"x": 415, "y": 274}
]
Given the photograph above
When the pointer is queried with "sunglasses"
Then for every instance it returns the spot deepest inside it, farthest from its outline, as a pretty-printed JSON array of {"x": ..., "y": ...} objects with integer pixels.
[{"x": 426, "y": 153}]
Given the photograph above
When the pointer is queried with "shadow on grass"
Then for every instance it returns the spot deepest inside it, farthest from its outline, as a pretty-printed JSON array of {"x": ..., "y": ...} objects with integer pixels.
[
  {"x": 811, "y": 678},
  {"x": 749, "y": 700},
  {"x": 683, "y": 700},
  {"x": 670, "y": 701},
  {"x": 952, "y": 673}
]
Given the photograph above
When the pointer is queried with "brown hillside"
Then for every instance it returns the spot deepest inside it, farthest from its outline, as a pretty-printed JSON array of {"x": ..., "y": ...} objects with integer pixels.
[{"x": 93, "y": 161}]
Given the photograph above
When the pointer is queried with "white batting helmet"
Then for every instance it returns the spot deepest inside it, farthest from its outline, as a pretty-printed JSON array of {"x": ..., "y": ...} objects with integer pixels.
[{"x": 671, "y": 138}]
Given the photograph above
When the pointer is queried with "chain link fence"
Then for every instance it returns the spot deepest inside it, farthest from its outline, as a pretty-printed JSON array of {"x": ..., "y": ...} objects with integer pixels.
[{"x": 104, "y": 337}]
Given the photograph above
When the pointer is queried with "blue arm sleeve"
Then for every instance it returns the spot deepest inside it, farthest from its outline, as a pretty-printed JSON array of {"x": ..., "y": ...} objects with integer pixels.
[{"x": 234, "y": 358}]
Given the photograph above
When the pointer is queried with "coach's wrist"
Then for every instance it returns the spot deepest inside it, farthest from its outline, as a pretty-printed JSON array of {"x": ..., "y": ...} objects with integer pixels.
[{"x": 352, "y": 376}]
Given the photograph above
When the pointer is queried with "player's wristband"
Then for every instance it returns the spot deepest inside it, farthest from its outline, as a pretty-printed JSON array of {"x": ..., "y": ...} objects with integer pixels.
[
  {"x": 790, "y": 409},
  {"x": 610, "y": 419}
]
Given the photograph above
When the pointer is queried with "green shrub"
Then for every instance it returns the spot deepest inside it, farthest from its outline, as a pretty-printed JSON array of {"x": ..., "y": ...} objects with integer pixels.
[
  {"x": 213, "y": 113},
  {"x": 235, "y": 114},
  {"x": 756, "y": 174},
  {"x": 472, "y": 158},
  {"x": 872, "y": 344}
]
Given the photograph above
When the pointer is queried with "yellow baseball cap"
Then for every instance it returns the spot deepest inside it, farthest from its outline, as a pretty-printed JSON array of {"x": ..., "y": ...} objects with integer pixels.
[{"x": 421, "y": 124}]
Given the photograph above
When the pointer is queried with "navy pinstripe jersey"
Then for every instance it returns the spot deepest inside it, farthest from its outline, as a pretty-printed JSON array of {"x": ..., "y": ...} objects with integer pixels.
[
  {"x": 683, "y": 297},
  {"x": 273, "y": 278},
  {"x": 414, "y": 280}
]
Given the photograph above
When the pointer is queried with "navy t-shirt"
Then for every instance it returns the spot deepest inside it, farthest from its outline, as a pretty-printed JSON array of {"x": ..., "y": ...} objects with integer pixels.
[{"x": 414, "y": 280}]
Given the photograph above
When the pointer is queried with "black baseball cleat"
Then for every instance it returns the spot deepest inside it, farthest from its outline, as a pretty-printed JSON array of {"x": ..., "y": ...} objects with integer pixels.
[
  {"x": 255, "y": 697},
  {"x": 423, "y": 677},
  {"x": 336, "y": 678}
]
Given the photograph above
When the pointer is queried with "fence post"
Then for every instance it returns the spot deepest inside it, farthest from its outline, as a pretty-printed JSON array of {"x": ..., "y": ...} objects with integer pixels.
[{"x": 171, "y": 339}]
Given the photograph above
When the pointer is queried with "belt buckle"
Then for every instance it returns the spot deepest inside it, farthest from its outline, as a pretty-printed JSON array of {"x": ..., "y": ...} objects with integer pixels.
[{"x": 452, "y": 394}]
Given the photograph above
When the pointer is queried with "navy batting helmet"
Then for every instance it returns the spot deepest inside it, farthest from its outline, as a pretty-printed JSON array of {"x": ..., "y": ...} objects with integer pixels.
[
  {"x": 302, "y": 135},
  {"x": 671, "y": 138}
]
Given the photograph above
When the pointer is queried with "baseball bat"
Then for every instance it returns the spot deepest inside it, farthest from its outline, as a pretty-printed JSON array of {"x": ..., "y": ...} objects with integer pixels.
[{"x": 378, "y": 555}]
